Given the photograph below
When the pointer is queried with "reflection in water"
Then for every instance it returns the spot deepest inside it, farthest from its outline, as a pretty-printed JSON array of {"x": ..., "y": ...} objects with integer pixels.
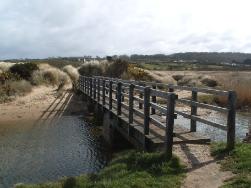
[
  {"x": 243, "y": 124},
  {"x": 32, "y": 153}
]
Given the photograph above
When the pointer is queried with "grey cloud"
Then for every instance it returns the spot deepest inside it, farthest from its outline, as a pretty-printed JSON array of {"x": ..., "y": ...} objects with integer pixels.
[{"x": 45, "y": 28}]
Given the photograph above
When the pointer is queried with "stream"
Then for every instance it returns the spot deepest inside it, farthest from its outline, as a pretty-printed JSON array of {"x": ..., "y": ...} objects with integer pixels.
[{"x": 46, "y": 151}]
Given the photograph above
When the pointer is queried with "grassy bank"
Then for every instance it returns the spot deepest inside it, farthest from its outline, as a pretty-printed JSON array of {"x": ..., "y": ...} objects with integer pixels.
[
  {"x": 238, "y": 161},
  {"x": 127, "y": 169}
]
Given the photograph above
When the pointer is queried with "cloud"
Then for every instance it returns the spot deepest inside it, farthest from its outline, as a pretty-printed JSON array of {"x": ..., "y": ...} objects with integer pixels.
[{"x": 45, "y": 28}]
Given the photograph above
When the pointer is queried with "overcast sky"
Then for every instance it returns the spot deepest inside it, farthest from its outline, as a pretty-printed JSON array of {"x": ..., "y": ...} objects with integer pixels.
[{"x": 46, "y": 28}]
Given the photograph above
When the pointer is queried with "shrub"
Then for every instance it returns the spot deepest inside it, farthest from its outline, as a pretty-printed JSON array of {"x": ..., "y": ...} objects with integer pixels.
[
  {"x": 91, "y": 69},
  {"x": 177, "y": 77},
  {"x": 49, "y": 75},
  {"x": 24, "y": 70},
  {"x": 137, "y": 73},
  {"x": 116, "y": 68},
  {"x": 20, "y": 87},
  {"x": 6, "y": 76},
  {"x": 72, "y": 72},
  {"x": 5, "y": 66},
  {"x": 209, "y": 82}
]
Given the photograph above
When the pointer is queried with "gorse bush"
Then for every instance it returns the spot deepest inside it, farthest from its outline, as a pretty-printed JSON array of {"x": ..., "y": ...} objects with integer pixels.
[
  {"x": 7, "y": 76},
  {"x": 24, "y": 70},
  {"x": 137, "y": 73}
]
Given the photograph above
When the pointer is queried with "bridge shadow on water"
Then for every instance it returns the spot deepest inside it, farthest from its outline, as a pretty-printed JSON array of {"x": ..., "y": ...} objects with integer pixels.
[{"x": 66, "y": 104}]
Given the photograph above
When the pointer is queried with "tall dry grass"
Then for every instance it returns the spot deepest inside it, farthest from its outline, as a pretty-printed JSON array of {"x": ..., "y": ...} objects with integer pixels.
[
  {"x": 50, "y": 75},
  {"x": 5, "y": 66},
  {"x": 72, "y": 72},
  {"x": 239, "y": 82}
]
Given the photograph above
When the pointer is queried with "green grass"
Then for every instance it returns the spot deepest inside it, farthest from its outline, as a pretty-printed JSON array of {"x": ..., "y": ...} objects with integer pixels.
[
  {"x": 238, "y": 161},
  {"x": 128, "y": 169}
]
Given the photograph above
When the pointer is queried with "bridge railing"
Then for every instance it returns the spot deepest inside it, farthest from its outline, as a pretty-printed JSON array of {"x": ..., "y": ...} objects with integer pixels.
[
  {"x": 194, "y": 104},
  {"x": 134, "y": 101}
]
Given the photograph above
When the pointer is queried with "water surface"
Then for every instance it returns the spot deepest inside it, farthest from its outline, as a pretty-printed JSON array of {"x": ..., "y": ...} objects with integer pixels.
[{"x": 46, "y": 151}]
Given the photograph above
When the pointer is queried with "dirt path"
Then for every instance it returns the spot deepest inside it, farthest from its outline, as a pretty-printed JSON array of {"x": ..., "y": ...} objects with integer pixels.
[
  {"x": 202, "y": 169},
  {"x": 42, "y": 102}
]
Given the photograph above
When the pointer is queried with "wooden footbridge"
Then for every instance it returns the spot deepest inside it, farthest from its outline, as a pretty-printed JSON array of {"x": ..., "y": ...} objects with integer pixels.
[{"x": 145, "y": 112}]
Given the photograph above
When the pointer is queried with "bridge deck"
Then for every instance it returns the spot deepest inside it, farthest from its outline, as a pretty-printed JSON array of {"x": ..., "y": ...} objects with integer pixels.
[{"x": 157, "y": 135}]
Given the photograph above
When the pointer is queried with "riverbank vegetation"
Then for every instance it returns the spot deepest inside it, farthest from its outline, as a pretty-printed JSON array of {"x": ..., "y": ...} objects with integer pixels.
[
  {"x": 126, "y": 68},
  {"x": 238, "y": 161},
  {"x": 18, "y": 79},
  {"x": 127, "y": 169}
]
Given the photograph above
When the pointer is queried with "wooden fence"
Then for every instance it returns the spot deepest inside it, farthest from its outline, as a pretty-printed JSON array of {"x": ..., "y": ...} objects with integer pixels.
[{"x": 122, "y": 94}]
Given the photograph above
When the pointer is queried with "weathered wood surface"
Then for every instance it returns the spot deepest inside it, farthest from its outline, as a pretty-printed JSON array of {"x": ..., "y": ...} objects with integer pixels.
[{"x": 135, "y": 103}]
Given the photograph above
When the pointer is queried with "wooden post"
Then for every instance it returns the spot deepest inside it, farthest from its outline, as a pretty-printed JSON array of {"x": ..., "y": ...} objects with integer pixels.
[
  {"x": 110, "y": 95},
  {"x": 103, "y": 92},
  {"x": 119, "y": 98},
  {"x": 91, "y": 87},
  {"x": 231, "y": 120},
  {"x": 193, "y": 111},
  {"x": 94, "y": 89},
  {"x": 169, "y": 124},
  {"x": 88, "y": 86},
  {"x": 146, "y": 110},
  {"x": 130, "y": 117},
  {"x": 83, "y": 81},
  {"x": 122, "y": 97},
  {"x": 154, "y": 100},
  {"x": 170, "y": 89},
  {"x": 140, "y": 96},
  {"x": 98, "y": 90}
]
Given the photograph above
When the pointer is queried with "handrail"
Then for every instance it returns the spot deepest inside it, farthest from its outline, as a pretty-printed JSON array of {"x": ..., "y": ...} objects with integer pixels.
[{"x": 113, "y": 90}]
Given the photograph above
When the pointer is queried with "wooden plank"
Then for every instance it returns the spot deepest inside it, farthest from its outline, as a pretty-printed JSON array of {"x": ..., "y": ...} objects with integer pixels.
[
  {"x": 138, "y": 113},
  {"x": 159, "y": 93},
  {"x": 217, "y": 125},
  {"x": 162, "y": 109},
  {"x": 202, "y": 105},
  {"x": 138, "y": 99},
  {"x": 157, "y": 123}
]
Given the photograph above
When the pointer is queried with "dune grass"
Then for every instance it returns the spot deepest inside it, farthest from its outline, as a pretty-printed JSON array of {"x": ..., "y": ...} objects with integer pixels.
[
  {"x": 127, "y": 169},
  {"x": 238, "y": 161}
]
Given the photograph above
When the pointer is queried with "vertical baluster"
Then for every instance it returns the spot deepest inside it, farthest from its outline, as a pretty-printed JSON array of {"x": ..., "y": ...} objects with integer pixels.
[
  {"x": 193, "y": 111},
  {"x": 170, "y": 123},
  {"x": 231, "y": 120},
  {"x": 119, "y": 98}
]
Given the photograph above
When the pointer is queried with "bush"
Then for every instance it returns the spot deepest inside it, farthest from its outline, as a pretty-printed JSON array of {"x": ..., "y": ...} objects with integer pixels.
[
  {"x": 91, "y": 69},
  {"x": 6, "y": 76},
  {"x": 24, "y": 70},
  {"x": 50, "y": 75},
  {"x": 72, "y": 72},
  {"x": 138, "y": 74},
  {"x": 116, "y": 68},
  {"x": 177, "y": 77},
  {"x": 5, "y": 66},
  {"x": 209, "y": 82}
]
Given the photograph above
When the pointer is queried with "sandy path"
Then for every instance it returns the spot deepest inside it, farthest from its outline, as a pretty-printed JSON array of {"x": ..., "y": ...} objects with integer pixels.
[
  {"x": 202, "y": 169},
  {"x": 31, "y": 106}
]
